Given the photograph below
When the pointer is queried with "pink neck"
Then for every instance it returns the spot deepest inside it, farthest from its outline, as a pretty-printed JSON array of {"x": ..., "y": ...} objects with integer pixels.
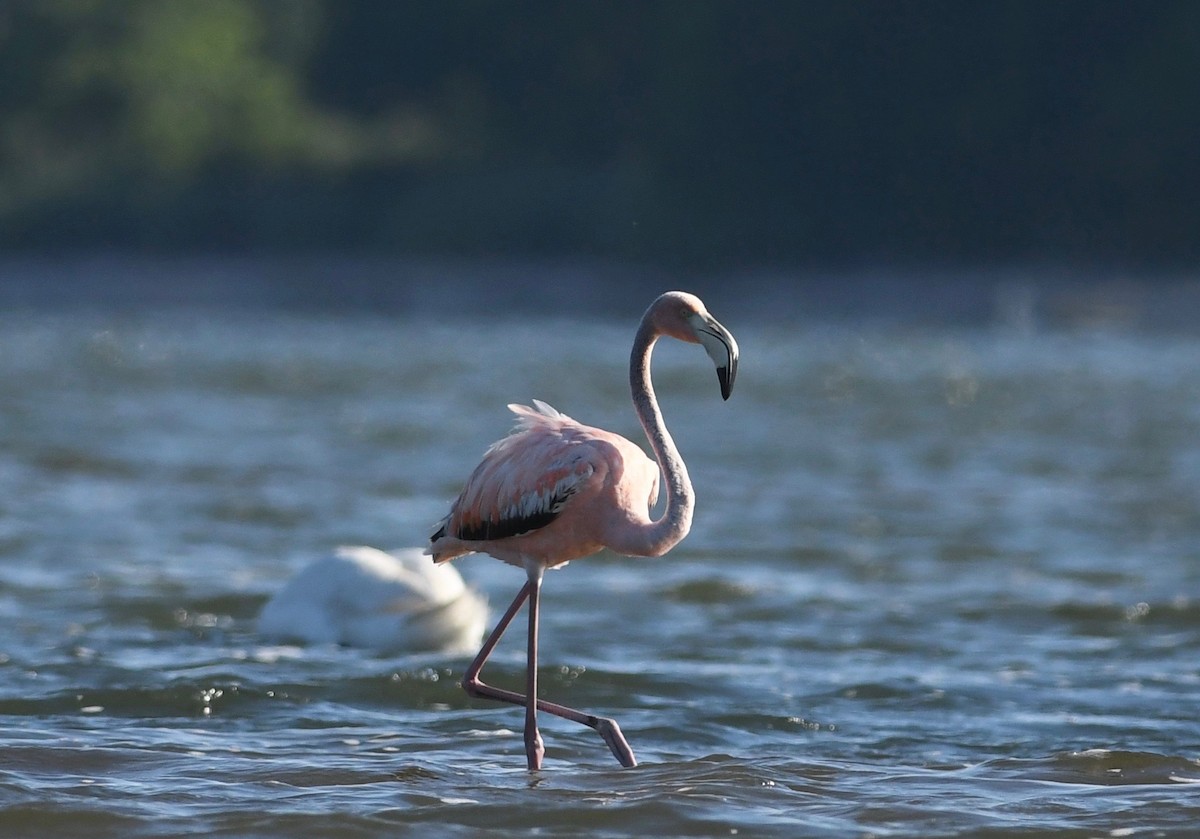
[{"x": 656, "y": 538}]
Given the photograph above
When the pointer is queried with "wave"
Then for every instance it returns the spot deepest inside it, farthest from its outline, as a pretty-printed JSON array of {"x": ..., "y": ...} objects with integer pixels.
[{"x": 1103, "y": 767}]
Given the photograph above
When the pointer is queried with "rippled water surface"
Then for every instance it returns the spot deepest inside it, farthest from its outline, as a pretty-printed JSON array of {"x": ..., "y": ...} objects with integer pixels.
[{"x": 942, "y": 581}]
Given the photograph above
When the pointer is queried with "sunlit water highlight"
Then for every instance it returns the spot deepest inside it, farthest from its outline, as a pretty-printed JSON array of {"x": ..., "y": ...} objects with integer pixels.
[{"x": 941, "y": 582}]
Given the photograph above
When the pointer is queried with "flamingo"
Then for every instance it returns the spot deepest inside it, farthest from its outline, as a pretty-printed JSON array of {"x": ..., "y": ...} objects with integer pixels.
[
  {"x": 386, "y": 601},
  {"x": 555, "y": 490}
]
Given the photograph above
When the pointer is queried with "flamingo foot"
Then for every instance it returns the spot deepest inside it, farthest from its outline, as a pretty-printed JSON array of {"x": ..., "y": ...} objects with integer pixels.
[
  {"x": 611, "y": 732},
  {"x": 535, "y": 749}
]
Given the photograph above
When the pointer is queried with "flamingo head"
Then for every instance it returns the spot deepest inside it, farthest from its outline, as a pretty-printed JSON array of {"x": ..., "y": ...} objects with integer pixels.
[{"x": 685, "y": 317}]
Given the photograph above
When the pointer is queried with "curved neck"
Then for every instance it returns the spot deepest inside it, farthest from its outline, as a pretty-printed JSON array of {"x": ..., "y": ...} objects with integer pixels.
[{"x": 659, "y": 537}]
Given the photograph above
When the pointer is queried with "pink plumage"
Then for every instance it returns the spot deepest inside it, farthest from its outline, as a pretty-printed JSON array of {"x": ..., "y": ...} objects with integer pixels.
[{"x": 551, "y": 491}]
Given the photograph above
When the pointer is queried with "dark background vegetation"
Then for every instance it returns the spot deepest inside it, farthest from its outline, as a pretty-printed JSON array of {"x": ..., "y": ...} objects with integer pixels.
[{"x": 674, "y": 132}]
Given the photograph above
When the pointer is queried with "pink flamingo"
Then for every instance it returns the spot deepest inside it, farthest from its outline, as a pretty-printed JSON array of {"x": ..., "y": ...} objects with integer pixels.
[{"x": 556, "y": 490}]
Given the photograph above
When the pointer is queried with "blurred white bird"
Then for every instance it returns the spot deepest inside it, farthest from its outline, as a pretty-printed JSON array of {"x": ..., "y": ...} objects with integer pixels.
[{"x": 391, "y": 602}]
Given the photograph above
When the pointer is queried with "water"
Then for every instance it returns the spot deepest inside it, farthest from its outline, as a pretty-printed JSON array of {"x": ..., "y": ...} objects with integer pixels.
[{"x": 943, "y": 580}]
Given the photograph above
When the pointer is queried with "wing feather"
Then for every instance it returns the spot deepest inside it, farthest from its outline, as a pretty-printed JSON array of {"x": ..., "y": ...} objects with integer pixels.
[{"x": 525, "y": 480}]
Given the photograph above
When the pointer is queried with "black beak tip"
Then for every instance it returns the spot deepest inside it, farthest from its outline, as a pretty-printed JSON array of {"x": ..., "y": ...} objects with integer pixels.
[{"x": 725, "y": 377}]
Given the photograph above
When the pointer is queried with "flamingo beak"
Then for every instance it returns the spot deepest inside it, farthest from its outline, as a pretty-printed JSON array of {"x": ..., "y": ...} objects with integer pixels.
[{"x": 721, "y": 348}]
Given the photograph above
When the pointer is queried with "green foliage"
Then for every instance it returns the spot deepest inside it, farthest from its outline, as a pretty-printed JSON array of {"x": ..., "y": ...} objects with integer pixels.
[
  {"x": 198, "y": 82},
  {"x": 653, "y": 129}
]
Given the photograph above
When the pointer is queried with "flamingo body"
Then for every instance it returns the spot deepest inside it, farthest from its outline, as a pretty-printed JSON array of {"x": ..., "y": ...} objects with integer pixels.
[
  {"x": 388, "y": 602},
  {"x": 555, "y": 490},
  {"x": 552, "y": 491}
]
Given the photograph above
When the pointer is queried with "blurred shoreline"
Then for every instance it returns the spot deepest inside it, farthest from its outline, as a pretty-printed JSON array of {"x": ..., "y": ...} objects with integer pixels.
[{"x": 1014, "y": 297}]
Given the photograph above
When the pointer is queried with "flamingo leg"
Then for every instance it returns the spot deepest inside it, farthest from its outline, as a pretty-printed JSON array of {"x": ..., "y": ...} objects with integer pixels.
[
  {"x": 607, "y": 728},
  {"x": 534, "y": 748}
]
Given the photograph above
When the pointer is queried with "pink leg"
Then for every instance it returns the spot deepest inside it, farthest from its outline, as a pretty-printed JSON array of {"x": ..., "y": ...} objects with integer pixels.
[
  {"x": 475, "y": 687},
  {"x": 534, "y": 749}
]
